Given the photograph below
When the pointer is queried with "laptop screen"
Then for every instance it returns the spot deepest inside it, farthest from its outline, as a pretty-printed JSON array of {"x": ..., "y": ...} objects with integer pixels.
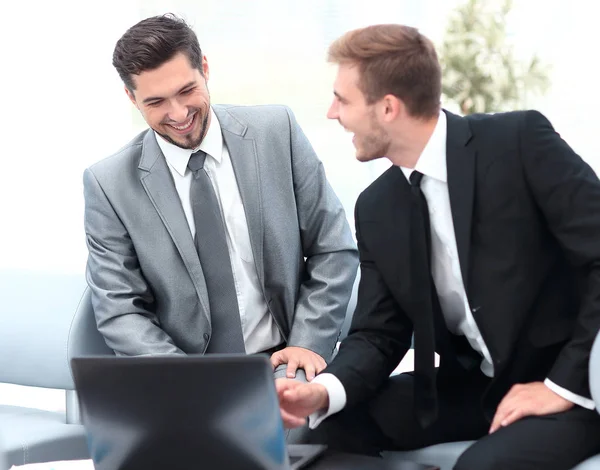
[{"x": 215, "y": 411}]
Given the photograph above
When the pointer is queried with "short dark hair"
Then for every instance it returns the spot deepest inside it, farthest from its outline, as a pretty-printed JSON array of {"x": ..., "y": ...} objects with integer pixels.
[
  {"x": 152, "y": 42},
  {"x": 394, "y": 59}
]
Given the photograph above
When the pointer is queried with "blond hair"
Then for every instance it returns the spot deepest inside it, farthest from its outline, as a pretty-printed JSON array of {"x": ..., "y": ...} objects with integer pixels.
[{"x": 393, "y": 59}]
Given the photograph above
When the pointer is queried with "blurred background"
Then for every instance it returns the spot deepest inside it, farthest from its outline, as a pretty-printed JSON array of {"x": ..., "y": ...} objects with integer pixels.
[{"x": 63, "y": 105}]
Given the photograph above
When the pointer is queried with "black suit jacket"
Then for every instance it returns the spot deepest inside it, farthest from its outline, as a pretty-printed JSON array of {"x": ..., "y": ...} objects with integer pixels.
[{"x": 526, "y": 212}]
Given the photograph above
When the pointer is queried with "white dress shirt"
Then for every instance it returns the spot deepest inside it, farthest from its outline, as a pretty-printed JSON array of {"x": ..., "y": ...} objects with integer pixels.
[
  {"x": 445, "y": 270},
  {"x": 258, "y": 326}
]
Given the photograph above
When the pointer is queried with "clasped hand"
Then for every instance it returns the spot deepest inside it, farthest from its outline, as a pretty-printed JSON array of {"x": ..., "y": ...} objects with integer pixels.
[{"x": 299, "y": 358}]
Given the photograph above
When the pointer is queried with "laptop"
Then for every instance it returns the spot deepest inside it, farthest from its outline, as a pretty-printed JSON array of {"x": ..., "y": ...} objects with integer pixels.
[{"x": 184, "y": 412}]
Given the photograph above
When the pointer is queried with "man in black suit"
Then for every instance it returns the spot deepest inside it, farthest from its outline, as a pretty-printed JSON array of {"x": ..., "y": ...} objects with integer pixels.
[{"x": 482, "y": 240}]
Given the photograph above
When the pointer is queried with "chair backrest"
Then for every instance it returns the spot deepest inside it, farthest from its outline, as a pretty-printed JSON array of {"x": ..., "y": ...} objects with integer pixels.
[
  {"x": 595, "y": 372},
  {"x": 45, "y": 320}
]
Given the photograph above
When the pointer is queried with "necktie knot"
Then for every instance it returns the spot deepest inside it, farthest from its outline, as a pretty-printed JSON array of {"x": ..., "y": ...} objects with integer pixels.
[
  {"x": 196, "y": 161},
  {"x": 415, "y": 178}
]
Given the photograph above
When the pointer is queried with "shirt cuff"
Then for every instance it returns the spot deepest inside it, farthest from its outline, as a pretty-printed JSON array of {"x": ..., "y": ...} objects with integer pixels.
[
  {"x": 572, "y": 397},
  {"x": 337, "y": 398}
]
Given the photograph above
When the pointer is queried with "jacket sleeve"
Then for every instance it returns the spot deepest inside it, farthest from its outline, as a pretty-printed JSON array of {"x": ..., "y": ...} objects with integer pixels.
[
  {"x": 328, "y": 248},
  {"x": 121, "y": 298},
  {"x": 567, "y": 191},
  {"x": 380, "y": 333}
]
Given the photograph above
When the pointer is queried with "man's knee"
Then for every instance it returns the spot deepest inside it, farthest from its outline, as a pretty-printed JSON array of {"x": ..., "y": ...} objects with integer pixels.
[
  {"x": 480, "y": 457},
  {"x": 298, "y": 435},
  {"x": 330, "y": 432},
  {"x": 348, "y": 432}
]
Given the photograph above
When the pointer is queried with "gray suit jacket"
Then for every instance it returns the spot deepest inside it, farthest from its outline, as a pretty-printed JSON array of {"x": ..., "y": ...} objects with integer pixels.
[{"x": 148, "y": 287}]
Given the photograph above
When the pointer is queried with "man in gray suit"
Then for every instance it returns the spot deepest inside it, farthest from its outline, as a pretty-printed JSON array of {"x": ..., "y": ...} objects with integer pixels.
[{"x": 215, "y": 230}]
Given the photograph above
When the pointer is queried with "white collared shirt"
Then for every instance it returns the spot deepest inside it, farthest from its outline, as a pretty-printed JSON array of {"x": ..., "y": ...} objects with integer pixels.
[
  {"x": 445, "y": 270},
  {"x": 258, "y": 326},
  {"x": 445, "y": 266}
]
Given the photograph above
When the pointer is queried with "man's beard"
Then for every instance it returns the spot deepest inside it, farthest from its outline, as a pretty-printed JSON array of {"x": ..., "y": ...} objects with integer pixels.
[
  {"x": 375, "y": 145},
  {"x": 190, "y": 142}
]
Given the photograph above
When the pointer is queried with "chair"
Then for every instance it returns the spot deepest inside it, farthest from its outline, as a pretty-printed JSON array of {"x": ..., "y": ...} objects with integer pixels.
[
  {"x": 593, "y": 463},
  {"x": 45, "y": 321},
  {"x": 445, "y": 455}
]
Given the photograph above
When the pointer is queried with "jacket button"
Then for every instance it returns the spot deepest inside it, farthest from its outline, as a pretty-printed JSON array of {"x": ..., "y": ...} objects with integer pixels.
[{"x": 206, "y": 337}]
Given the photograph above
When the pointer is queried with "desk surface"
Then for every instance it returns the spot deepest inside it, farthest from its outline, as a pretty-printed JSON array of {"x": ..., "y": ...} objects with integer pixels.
[{"x": 339, "y": 461}]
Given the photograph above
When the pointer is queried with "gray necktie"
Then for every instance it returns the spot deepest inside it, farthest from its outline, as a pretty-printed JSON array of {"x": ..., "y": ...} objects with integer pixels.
[{"x": 211, "y": 243}]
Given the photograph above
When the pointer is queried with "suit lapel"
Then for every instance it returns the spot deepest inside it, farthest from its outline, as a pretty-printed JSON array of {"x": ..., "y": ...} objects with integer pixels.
[
  {"x": 460, "y": 160},
  {"x": 245, "y": 166},
  {"x": 158, "y": 184},
  {"x": 392, "y": 229}
]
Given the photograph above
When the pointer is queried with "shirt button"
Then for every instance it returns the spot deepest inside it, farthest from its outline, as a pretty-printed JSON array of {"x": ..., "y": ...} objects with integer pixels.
[{"x": 206, "y": 337}]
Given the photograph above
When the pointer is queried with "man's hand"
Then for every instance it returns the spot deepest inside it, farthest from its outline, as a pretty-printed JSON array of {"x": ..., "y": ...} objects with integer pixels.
[
  {"x": 299, "y": 358},
  {"x": 298, "y": 400},
  {"x": 532, "y": 399}
]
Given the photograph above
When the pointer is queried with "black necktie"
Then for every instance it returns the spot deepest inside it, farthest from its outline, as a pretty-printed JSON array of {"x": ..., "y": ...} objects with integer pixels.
[
  {"x": 211, "y": 244},
  {"x": 422, "y": 292}
]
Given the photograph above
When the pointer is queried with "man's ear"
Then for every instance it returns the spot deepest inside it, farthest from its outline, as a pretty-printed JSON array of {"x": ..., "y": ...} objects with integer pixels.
[
  {"x": 131, "y": 97},
  {"x": 205, "y": 69},
  {"x": 391, "y": 108}
]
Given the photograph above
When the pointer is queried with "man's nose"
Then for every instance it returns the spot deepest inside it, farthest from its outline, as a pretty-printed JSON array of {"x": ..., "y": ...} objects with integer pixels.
[
  {"x": 332, "y": 113},
  {"x": 178, "y": 112}
]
